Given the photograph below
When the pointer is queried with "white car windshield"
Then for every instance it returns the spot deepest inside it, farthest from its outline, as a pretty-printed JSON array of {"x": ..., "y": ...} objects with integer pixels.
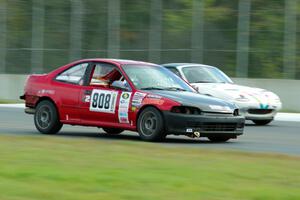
[
  {"x": 147, "y": 77},
  {"x": 198, "y": 74}
]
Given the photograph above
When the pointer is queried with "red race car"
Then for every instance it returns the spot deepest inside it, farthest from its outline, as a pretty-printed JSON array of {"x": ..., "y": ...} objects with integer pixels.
[{"x": 119, "y": 95}]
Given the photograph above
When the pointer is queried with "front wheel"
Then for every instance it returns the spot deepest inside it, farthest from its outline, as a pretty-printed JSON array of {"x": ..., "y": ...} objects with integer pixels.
[
  {"x": 262, "y": 122},
  {"x": 46, "y": 118},
  {"x": 219, "y": 138},
  {"x": 113, "y": 131},
  {"x": 151, "y": 125}
]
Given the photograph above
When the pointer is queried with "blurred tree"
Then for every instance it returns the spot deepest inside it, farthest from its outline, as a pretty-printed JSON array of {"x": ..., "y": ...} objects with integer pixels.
[
  {"x": 266, "y": 40},
  {"x": 290, "y": 35},
  {"x": 76, "y": 21},
  {"x": 37, "y": 36},
  {"x": 243, "y": 27},
  {"x": 176, "y": 31},
  {"x": 3, "y": 35}
]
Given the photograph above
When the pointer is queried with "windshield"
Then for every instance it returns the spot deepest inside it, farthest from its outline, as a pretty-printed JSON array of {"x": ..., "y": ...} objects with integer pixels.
[
  {"x": 197, "y": 74},
  {"x": 147, "y": 77}
]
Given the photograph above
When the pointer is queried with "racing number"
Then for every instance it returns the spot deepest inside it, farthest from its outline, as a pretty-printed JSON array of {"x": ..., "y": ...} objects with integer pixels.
[
  {"x": 95, "y": 99},
  {"x": 103, "y": 101},
  {"x": 107, "y": 101},
  {"x": 100, "y": 100}
]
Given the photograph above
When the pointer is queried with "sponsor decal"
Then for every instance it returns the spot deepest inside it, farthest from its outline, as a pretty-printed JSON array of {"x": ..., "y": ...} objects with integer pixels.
[
  {"x": 103, "y": 101},
  {"x": 263, "y": 102},
  {"x": 86, "y": 98},
  {"x": 153, "y": 101},
  {"x": 46, "y": 91},
  {"x": 137, "y": 99},
  {"x": 125, "y": 95},
  {"x": 123, "y": 119},
  {"x": 153, "y": 96},
  {"x": 123, "y": 107},
  {"x": 133, "y": 108}
]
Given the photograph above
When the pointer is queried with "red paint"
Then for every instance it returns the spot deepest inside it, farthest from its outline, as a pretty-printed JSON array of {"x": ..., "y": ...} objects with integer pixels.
[{"x": 70, "y": 98}]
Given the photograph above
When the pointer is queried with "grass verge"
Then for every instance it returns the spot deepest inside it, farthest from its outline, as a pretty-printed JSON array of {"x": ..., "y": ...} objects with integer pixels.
[
  {"x": 10, "y": 101},
  {"x": 49, "y": 167}
]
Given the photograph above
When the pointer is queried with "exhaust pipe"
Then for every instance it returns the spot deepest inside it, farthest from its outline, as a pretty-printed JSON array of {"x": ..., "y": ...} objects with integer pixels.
[{"x": 195, "y": 134}]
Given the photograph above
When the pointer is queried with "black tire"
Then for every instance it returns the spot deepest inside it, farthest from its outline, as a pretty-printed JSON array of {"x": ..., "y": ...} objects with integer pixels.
[
  {"x": 219, "y": 138},
  {"x": 113, "y": 131},
  {"x": 46, "y": 118},
  {"x": 262, "y": 122},
  {"x": 151, "y": 125}
]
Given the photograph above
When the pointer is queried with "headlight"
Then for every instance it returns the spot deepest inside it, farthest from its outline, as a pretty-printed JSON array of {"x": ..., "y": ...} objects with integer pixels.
[
  {"x": 272, "y": 96},
  {"x": 196, "y": 88},
  {"x": 242, "y": 98},
  {"x": 186, "y": 110},
  {"x": 218, "y": 108}
]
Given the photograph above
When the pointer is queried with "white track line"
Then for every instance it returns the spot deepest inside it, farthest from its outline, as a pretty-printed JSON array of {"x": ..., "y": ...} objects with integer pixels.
[
  {"x": 291, "y": 117},
  {"x": 17, "y": 105}
]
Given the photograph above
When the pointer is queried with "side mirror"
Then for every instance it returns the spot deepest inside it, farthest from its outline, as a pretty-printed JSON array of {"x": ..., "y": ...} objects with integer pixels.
[
  {"x": 195, "y": 88},
  {"x": 119, "y": 85}
]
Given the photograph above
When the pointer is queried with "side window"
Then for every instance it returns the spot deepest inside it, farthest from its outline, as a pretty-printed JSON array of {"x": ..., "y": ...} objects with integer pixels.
[
  {"x": 104, "y": 74},
  {"x": 73, "y": 75},
  {"x": 174, "y": 70}
]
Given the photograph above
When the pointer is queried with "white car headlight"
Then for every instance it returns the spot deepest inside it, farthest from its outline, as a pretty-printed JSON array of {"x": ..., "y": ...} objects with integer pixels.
[
  {"x": 272, "y": 96},
  {"x": 242, "y": 98}
]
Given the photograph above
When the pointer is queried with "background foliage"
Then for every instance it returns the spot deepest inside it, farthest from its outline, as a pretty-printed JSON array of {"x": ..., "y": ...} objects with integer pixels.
[{"x": 219, "y": 33}]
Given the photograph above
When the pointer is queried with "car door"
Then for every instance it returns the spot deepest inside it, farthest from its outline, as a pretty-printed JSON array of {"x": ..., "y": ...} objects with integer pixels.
[
  {"x": 68, "y": 86},
  {"x": 99, "y": 101}
]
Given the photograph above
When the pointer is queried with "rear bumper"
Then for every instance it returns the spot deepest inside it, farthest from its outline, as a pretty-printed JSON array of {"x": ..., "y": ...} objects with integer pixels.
[
  {"x": 27, "y": 110},
  {"x": 22, "y": 97},
  {"x": 30, "y": 111},
  {"x": 182, "y": 124}
]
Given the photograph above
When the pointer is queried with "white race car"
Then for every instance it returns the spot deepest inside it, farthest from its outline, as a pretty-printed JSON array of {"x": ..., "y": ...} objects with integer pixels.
[{"x": 255, "y": 104}]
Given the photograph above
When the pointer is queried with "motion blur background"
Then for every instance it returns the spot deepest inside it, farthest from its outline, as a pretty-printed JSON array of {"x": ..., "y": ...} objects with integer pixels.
[{"x": 244, "y": 38}]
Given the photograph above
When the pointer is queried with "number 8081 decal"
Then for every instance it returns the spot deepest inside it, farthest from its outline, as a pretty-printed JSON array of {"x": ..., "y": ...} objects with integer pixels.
[{"x": 103, "y": 101}]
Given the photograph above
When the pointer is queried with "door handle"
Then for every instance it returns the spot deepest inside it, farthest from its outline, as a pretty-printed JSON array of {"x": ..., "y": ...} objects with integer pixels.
[{"x": 88, "y": 92}]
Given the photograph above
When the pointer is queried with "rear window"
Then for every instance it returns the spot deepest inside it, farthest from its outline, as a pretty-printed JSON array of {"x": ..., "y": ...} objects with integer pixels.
[
  {"x": 174, "y": 70},
  {"x": 73, "y": 75}
]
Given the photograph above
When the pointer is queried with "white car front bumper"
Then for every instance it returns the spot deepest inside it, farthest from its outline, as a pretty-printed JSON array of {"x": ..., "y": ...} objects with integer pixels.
[{"x": 255, "y": 111}]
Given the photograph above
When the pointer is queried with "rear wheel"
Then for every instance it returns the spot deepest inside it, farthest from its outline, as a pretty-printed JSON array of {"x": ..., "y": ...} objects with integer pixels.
[
  {"x": 151, "y": 125},
  {"x": 46, "y": 118},
  {"x": 113, "y": 131},
  {"x": 262, "y": 122},
  {"x": 219, "y": 138}
]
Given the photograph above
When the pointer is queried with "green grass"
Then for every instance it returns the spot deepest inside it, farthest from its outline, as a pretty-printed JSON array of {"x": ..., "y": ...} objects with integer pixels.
[
  {"x": 289, "y": 111},
  {"x": 50, "y": 167},
  {"x": 10, "y": 101}
]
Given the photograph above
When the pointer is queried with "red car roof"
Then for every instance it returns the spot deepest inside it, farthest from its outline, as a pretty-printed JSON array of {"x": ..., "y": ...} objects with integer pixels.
[{"x": 119, "y": 61}]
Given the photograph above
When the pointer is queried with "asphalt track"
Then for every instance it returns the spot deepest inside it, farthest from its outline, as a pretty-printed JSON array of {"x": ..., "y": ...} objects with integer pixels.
[{"x": 281, "y": 136}]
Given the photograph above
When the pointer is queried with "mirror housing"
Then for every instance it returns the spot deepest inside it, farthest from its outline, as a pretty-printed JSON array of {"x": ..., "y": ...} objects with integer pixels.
[{"x": 120, "y": 85}]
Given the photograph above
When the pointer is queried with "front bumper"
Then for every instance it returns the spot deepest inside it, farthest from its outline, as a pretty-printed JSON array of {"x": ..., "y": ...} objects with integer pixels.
[
  {"x": 256, "y": 112},
  {"x": 183, "y": 124}
]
